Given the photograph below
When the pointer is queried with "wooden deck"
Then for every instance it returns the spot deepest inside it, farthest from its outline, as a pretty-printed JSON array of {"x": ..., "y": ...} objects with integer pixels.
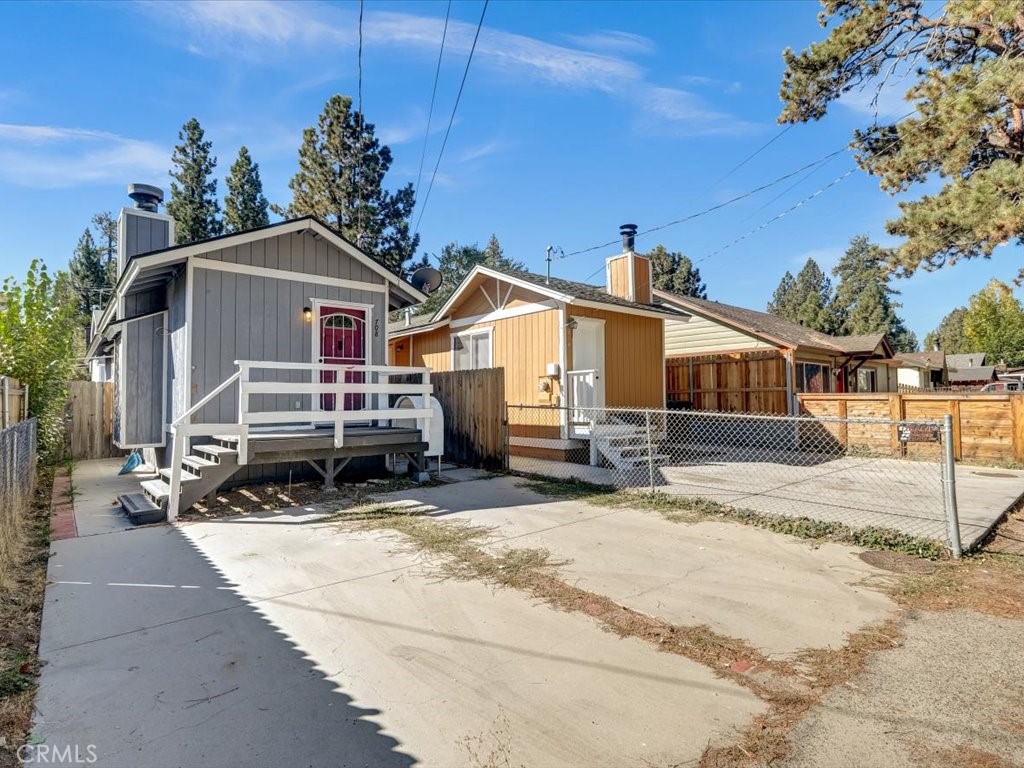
[{"x": 299, "y": 444}]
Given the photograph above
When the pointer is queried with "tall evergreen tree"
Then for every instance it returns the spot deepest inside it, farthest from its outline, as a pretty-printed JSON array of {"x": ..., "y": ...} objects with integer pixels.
[
  {"x": 494, "y": 254},
  {"x": 245, "y": 207},
  {"x": 806, "y": 299},
  {"x": 963, "y": 141},
  {"x": 193, "y": 202},
  {"x": 340, "y": 181},
  {"x": 105, "y": 226},
  {"x": 949, "y": 337},
  {"x": 88, "y": 274},
  {"x": 675, "y": 273},
  {"x": 864, "y": 298}
]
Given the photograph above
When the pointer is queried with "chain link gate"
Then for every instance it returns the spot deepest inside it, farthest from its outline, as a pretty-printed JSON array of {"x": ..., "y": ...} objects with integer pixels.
[{"x": 860, "y": 472}]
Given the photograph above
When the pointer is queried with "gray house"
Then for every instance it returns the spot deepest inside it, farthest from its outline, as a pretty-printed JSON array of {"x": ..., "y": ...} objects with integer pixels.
[{"x": 251, "y": 355}]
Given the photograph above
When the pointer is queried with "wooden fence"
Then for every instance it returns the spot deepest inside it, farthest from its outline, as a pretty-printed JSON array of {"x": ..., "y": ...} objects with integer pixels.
[
  {"x": 474, "y": 415},
  {"x": 986, "y": 427},
  {"x": 13, "y": 402},
  {"x": 90, "y": 430},
  {"x": 739, "y": 382}
]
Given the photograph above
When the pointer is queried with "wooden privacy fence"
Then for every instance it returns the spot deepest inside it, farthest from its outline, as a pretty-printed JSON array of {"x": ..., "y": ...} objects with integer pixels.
[
  {"x": 986, "y": 428},
  {"x": 90, "y": 413},
  {"x": 738, "y": 382},
  {"x": 13, "y": 402}
]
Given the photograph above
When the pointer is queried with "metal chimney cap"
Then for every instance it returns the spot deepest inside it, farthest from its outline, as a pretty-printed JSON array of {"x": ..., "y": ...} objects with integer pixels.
[
  {"x": 146, "y": 196},
  {"x": 627, "y": 229}
]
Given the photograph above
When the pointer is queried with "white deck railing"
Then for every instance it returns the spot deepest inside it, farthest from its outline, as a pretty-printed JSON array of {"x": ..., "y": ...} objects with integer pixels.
[{"x": 374, "y": 387}]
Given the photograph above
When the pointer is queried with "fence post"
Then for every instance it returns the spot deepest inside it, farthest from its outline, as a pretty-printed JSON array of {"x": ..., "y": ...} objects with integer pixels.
[
  {"x": 650, "y": 449},
  {"x": 949, "y": 481},
  {"x": 7, "y": 402}
]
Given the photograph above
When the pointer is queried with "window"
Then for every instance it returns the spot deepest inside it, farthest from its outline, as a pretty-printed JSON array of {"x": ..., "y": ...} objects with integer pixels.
[
  {"x": 471, "y": 350},
  {"x": 812, "y": 377},
  {"x": 867, "y": 380},
  {"x": 344, "y": 322}
]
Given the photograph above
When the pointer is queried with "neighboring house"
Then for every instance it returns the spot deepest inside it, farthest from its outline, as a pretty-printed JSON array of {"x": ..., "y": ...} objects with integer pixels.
[
  {"x": 264, "y": 346},
  {"x": 775, "y": 358},
  {"x": 921, "y": 370},
  {"x": 560, "y": 343},
  {"x": 969, "y": 370}
]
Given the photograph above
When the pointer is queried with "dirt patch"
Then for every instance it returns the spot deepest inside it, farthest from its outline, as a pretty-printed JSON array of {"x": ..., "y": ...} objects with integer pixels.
[
  {"x": 987, "y": 583},
  {"x": 958, "y": 757},
  {"x": 897, "y": 562},
  {"x": 264, "y": 497},
  {"x": 21, "y": 607},
  {"x": 1008, "y": 537}
]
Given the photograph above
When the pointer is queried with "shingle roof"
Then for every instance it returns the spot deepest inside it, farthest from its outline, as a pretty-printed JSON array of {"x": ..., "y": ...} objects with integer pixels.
[
  {"x": 780, "y": 329},
  {"x": 922, "y": 359},
  {"x": 966, "y": 360},
  {"x": 977, "y": 373},
  {"x": 416, "y": 321},
  {"x": 584, "y": 291}
]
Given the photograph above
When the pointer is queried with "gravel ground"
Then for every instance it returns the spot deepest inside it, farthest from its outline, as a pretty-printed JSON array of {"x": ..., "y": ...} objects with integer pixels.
[{"x": 949, "y": 696}]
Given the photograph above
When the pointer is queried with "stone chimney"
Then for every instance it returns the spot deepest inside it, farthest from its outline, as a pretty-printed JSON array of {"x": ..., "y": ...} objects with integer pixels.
[
  {"x": 142, "y": 229},
  {"x": 628, "y": 275}
]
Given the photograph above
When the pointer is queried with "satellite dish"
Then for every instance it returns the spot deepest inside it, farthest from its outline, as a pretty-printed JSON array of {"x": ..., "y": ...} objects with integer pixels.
[{"x": 426, "y": 279}]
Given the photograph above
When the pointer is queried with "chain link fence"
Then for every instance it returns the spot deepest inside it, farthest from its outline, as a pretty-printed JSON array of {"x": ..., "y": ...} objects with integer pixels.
[
  {"x": 18, "y": 449},
  {"x": 859, "y": 472}
]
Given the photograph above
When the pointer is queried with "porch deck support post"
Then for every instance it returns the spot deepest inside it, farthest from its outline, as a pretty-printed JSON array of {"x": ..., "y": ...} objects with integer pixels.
[{"x": 329, "y": 474}]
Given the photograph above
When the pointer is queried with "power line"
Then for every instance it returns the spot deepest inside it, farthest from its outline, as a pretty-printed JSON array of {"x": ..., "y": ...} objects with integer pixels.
[
  {"x": 754, "y": 154},
  {"x": 359, "y": 165},
  {"x": 718, "y": 206},
  {"x": 433, "y": 96},
  {"x": 777, "y": 216},
  {"x": 451, "y": 120}
]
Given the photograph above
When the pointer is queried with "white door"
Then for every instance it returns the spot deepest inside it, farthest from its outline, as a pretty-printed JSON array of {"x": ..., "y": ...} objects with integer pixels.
[{"x": 588, "y": 355}]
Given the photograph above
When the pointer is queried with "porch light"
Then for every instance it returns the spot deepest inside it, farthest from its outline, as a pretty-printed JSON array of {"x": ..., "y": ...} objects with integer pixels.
[{"x": 307, "y": 314}]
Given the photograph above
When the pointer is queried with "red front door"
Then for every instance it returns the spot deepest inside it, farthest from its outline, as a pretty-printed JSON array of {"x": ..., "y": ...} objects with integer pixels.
[{"x": 342, "y": 342}]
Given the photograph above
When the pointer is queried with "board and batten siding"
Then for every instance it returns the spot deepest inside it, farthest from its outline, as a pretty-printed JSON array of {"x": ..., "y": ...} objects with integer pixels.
[
  {"x": 634, "y": 357},
  {"x": 142, "y": 232},
  {"x": 176, "y": 364},
  {"x": 142, "y": 347},
  {"x": 700, "y": 336}
]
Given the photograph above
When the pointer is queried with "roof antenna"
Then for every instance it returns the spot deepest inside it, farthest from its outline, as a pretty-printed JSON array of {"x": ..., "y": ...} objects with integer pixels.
[{"x": 549, "y": 250}]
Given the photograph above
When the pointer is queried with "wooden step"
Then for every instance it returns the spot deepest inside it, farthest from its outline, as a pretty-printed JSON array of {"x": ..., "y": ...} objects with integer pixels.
[
  {"x": 186, "y": 477},
  {"x": 141, "y": 510},
  {"x": 157, "y": 490},
  {"x": 217, "y": 452},
  {"x": 197, "y": 464}
]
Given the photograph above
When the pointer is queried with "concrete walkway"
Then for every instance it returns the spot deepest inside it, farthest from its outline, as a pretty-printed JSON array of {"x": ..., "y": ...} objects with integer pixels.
[{"x": 277, "y": 639}]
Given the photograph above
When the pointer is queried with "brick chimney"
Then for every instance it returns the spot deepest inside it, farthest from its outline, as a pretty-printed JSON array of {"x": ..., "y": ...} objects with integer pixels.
[{"x": 628, "y": 275}]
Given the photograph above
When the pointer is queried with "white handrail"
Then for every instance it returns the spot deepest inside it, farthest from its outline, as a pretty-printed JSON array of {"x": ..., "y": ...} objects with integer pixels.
[
  {"x": 216, "y": 391},
  {"x": 390, "y": 369}
]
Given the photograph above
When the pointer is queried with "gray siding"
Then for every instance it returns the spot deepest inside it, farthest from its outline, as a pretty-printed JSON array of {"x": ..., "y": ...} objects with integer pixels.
[
  {"x": 298, "y": 252},
  {"x": 144, "y": 234},
  {"x": 142, "y": 406},
  {"x": 145, "y": 302}
]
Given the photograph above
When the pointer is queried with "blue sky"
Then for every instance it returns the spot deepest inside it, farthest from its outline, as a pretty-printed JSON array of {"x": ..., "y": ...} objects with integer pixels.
[{"x": 576, "y": 117}]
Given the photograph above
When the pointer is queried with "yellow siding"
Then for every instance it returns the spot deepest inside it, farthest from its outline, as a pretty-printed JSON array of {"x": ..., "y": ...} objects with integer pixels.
[
  {"x": 699, "y": 336},
  {"x": 642, "y": 274},
  {"x": 634, "y": 358}
]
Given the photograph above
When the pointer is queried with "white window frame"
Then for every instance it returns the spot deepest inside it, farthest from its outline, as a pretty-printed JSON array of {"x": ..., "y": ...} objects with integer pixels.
[{"x": 489, "y": 332}]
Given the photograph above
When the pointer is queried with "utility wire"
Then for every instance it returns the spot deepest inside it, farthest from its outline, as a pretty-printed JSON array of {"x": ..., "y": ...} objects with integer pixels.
[
  {"x": 754, "y": 154},
  {"x": 433, "y": 97},
  {"x": 451, "y": 120},
  {"x": 359, "y": 145},
  {"x": 718, "y": 206}
]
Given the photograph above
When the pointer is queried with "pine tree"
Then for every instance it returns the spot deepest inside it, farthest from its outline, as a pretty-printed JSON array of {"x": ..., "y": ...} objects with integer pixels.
[
  {"x": 806, "y": 299},
  {"x": 965, "y": 129},
  {"x": 341, "y": 172},
  {"x": 494, "y": 255},
  {"x": 245, "y": 207},
  {"x": 106, "y": 236},
  {"x": 88, "y": 274},
  {"x": 673, "y": 272},
  {"x": 864, "y": 300},
  {"x": 193, "y": 189},
  {"x": 949, "y": 337}
]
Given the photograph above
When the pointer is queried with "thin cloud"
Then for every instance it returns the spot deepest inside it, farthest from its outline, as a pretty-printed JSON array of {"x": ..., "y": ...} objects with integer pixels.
[
  {"x": 614, "y": 41},
  {"x": 48, "y": 157},
  {"x": 228, "y": 28},
  {"x": 480, "y": 151}
]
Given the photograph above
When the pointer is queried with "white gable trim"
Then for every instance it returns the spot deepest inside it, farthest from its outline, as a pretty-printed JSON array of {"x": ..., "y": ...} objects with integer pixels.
[{"x": 487, "y": 272}]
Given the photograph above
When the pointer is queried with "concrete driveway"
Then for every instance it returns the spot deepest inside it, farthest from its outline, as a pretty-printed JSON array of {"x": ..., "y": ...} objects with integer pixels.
[{"x": 283, "y": 639}]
